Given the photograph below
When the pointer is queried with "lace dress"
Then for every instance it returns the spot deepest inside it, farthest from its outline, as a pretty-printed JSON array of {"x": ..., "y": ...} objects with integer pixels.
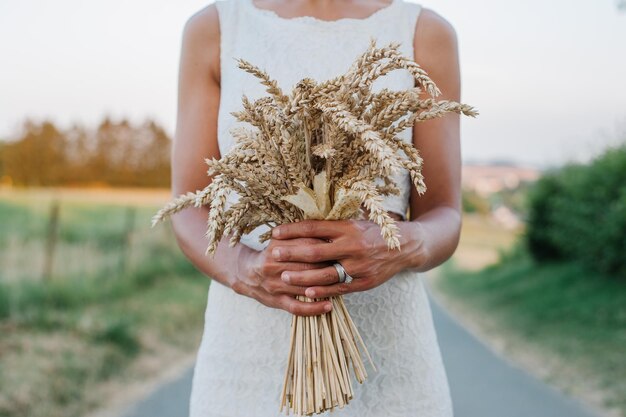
[{"x": 242, "y": 356}]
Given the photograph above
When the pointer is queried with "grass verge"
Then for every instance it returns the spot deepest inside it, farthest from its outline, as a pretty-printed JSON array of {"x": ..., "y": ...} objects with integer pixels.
[
  {"x": 562, "y": 309},
  {"x": 56, "y": 354},
  {"x": 73, "y": 342}
]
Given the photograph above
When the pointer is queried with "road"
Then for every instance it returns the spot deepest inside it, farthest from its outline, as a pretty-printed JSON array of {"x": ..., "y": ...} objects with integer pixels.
[{"x": 481, "y": 382}]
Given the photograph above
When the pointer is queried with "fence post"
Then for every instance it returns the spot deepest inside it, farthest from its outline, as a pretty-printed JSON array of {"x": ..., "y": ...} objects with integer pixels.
[
  {"x": 129, "y": 226},
  {"x": 52, "y": 235}
]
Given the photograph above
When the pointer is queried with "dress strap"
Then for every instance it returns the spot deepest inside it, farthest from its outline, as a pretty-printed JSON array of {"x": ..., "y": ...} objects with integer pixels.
[
  {"x": 408, "y": 14},
  {"x": 226, "y": 11},
  {"x": 230, "y": 20}
]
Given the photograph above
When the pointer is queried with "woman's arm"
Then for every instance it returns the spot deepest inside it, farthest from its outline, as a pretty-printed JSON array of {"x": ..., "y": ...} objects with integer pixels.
[
  {"x": 246, "y": 271},
  {"x": 433, "y": 233},
  {"x": 438, "y": 211},
  {"x": 196, "y": 138}
]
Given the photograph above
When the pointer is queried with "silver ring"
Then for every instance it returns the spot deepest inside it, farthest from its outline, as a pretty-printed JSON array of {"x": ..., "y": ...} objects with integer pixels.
[
  {"x": 340, "y": 271},
  {"x": 343, "y": 275}
]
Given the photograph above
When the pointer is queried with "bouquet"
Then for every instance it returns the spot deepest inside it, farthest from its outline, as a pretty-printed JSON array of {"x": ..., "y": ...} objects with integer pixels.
[{"x": 326, "y": 150}]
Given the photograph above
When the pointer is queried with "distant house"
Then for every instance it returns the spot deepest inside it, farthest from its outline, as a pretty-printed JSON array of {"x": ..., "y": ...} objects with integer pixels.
[
  {"x": 506, "y": 217},
  {"x": 486, "y": 179}
]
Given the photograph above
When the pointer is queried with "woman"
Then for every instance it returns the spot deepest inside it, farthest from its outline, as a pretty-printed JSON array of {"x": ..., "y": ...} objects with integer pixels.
[{"x": 242, "y": 357}]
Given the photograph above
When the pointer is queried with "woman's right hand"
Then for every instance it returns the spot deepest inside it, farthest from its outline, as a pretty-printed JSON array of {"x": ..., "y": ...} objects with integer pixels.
[{"x": 258, "y": 276}]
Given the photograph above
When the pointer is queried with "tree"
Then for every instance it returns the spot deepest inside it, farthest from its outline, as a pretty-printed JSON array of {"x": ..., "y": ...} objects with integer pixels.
[
  {"x": 38, "y": 157},
  {"x": 115, "y": 153}
]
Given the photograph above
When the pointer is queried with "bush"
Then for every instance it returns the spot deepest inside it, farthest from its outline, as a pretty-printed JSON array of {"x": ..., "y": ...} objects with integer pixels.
[
  {"x": 119, "y": 332},
  {"x": 5, "y": 302},
  {"x": 579, "y": 212},
  {"x": 540, "y": 214}
]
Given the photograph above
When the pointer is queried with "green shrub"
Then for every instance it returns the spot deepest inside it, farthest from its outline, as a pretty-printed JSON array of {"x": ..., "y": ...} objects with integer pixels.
[
  {"x": 579, "y": 213},
  {"x": 120, "y": 332},
  {"x": 5, "y": 302},
  {"x": 539, "y": 221}
]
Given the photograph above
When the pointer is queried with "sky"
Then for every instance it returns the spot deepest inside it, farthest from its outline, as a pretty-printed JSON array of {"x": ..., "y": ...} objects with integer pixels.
[{"x": 548, "y": 77}]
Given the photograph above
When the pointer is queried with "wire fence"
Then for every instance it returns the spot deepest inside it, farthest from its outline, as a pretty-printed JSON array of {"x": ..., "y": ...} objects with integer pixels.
[{"x": 53, "y": 239}]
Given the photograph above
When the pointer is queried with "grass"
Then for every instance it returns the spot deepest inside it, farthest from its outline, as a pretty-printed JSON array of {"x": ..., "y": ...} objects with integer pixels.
[
  {"x": 565, "y": 310},
  {"x": 116, "y": 308},
  {"x": 92, "y": 232}
]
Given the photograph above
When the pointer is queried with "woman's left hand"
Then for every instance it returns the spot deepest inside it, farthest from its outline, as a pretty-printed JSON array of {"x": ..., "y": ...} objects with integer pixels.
[{"x": 356, "y": 244}]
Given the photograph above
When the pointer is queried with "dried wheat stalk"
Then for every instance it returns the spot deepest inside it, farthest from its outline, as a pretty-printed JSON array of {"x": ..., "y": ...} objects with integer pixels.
[{"x": 319, "y": 152}]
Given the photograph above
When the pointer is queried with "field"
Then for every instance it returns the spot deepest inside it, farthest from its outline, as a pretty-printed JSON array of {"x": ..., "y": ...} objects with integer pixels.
[
  {"x": 482, "y": 241},
  {"x": 91, "y": 298}
]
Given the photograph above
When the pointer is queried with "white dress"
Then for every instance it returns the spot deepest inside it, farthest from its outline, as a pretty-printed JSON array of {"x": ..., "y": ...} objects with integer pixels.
[{"x": 242, "y": 357}]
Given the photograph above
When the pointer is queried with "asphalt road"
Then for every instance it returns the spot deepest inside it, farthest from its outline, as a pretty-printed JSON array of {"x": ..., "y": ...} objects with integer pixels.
[{"x": 482, "y": 383}]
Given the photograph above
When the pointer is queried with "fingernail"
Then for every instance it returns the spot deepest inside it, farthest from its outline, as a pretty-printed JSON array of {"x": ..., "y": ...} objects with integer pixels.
[
  {"x": 276, "y": 253},
  {"x": 328, "y": 307},
  {"x": 276, "y": 232},
  {"x": 285, "y": 276},
  {"x": 309, "y": 293}
]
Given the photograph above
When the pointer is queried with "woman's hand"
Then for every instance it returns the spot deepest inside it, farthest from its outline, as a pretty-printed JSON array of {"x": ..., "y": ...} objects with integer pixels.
[
  {"x": 356, "y": 244},
  {"x": 258, "y": 275}
]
